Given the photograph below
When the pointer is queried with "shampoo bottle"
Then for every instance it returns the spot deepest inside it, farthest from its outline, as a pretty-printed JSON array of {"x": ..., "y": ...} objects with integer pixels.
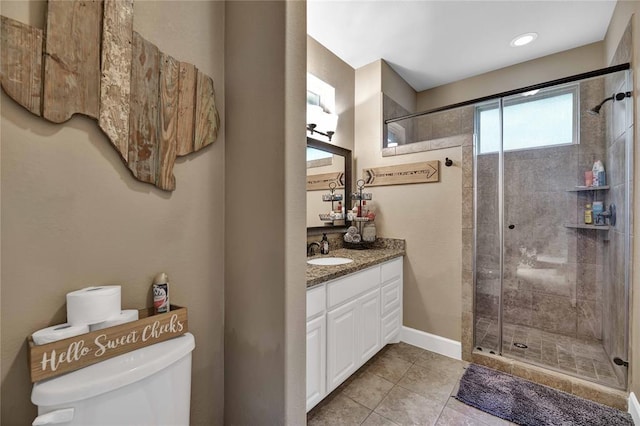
[
  {"x": 597, "y": 208},
  {"x": 599, "y": 177}
]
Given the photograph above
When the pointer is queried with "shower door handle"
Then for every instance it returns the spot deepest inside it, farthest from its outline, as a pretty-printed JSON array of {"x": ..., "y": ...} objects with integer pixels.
[{"x": 511, "y": 226}]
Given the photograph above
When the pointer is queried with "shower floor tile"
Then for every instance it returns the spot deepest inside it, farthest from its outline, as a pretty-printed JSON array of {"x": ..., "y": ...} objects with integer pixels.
[{"x": 581, "y": 358}]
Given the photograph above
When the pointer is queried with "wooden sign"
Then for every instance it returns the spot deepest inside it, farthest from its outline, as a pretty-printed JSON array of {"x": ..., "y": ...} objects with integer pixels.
[
  {"x": 151, "y": 106},
  {"x": 71, "y": 354},
  {"x": 322, "y": 181},
  {"x": 21, "y": 63},
  {"x": 428, "y": 171}
]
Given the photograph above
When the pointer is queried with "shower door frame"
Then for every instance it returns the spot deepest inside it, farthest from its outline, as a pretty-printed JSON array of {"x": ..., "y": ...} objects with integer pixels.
[{"x": 628, "y": 210}]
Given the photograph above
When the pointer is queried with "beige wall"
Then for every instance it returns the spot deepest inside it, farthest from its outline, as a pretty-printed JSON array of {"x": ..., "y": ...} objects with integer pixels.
[
  {"x": 427, "y": 216},
  {"x": 265, "y": 224},
  {"x": 559, "y": 65},
  {"x": 396, "y": 88},
  {"x": 73, "y": 216},
  {"x": 322, "y": 63},
  {"x": 625, "y": 11}
]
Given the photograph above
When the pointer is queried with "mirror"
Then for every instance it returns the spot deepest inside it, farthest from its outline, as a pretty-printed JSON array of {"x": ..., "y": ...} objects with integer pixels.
[{"x": 327, "y": 164}]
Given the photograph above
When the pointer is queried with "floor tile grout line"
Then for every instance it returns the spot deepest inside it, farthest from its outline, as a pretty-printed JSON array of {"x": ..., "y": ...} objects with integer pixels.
[
  {"x": 368, "y": 415},
  {"x": 382, "y": 399},
  {"x": 353, "y": 400},
  {"x": 390, "y": 389}
]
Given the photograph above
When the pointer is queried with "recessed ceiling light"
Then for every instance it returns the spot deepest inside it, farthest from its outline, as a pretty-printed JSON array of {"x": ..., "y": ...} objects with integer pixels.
[{"x": 523, "y": 39}]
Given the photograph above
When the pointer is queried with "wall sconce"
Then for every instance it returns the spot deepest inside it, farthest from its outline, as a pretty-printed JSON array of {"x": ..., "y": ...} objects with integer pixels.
[{"x": 321, "y": 122}]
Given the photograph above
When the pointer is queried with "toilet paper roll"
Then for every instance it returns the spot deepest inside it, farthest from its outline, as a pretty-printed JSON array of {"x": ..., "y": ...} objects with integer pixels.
[
  {"x": 92, "y": 305},
  {"x": 58, "y": 332},
  {"x": 125, "y": 316}
]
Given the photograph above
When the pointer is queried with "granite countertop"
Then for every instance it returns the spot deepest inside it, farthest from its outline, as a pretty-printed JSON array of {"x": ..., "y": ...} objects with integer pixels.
[{"x": 362, "y": 259}]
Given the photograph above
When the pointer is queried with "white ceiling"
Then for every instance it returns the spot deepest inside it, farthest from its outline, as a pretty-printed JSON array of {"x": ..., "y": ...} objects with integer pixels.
[{"x": 430, "y": 43}]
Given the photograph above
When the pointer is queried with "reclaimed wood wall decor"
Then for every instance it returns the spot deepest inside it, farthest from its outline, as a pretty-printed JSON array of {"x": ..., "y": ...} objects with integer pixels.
[
  {"x": 425, "y": 172},
  {"x": 90, "y": 61}
]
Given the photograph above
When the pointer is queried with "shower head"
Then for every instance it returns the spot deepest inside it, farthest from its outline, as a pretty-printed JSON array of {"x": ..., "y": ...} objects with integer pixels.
[{"x": 618, "y": 97}]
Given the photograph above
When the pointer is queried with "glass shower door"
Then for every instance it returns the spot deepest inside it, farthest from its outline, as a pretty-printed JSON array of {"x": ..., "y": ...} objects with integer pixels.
[
  {"x": 487, "y": 240},
  {"x": 551, "y": 280},
  {"x": 541, "y": 162}
]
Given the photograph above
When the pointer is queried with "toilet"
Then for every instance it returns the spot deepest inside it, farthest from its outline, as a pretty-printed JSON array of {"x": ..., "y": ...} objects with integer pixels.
[{"x": 148, "y": 386}]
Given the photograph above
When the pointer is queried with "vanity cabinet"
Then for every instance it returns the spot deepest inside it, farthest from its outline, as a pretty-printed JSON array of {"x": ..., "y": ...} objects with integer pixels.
[{"x": 359, "y": 314}]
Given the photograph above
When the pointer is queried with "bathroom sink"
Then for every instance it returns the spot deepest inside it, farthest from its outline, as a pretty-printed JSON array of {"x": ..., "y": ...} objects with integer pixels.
[{"x": 329, "y": 261}]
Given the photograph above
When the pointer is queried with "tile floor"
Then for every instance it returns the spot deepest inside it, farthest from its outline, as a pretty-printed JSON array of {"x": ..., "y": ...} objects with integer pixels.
[
  {"x": 401, "y": 385},
  {"x": 585, "y": 359}
]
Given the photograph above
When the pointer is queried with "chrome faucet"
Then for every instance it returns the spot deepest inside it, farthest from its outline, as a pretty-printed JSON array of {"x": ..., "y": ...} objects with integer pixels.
[{"x": 310, "y": 250}]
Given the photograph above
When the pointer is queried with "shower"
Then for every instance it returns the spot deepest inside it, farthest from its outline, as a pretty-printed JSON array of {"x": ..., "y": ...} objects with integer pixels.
[
  {"x": 551, "y": 286},
  {"x": 618, "y": 97}
]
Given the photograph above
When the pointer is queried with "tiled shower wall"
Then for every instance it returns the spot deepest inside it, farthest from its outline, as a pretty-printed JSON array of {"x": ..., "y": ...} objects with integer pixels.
[
  {"x": 553, "y": 275},
  {"x": 424, "y": 132}
]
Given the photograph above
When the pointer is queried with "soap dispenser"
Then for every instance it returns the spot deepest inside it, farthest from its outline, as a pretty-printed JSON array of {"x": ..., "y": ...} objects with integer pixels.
[{"x": 324, "y": 245}]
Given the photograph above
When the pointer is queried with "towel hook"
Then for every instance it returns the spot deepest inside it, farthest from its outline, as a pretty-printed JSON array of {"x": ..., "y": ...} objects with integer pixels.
[{"x": 448, "y": 162}]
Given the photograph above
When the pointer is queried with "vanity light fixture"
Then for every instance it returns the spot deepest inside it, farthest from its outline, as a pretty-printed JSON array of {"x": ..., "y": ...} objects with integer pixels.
[
  {"x": 312, "y": 128},
  {"x": 321, "y": 122},
  {"x": 523, "y": 39}
]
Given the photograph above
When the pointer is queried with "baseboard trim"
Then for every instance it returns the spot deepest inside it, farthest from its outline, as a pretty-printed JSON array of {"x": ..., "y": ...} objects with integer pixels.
[
  {"x": 634, "y": 408},
  {"x": 431, "y": 342}
]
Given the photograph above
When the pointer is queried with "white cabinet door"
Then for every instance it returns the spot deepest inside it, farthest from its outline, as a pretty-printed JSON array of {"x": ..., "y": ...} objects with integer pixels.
[
  {"x": 316, "y": 361},
  {"x": 369, "y": 325},
  {"x": 342, "y": 343}
]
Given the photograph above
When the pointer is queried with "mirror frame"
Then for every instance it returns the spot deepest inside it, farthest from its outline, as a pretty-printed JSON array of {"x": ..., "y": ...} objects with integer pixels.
[{"x": 348, "y": 164}]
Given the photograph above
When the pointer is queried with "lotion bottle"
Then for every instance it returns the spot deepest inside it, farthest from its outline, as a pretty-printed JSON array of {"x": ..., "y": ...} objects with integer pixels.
[{"x": 324, "y": 245}]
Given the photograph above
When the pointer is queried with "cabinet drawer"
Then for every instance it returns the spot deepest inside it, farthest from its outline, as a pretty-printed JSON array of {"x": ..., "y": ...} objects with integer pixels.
[
  {"x": 391, "y": 269},
  {"x": 350, "y": 286},
  {"x": 391, "y": 296},
  {"x": 316, "y": 300},
  {"x": 391, "y": 325}
]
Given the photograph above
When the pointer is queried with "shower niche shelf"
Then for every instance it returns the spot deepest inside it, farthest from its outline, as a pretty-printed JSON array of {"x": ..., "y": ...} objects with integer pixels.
[
  {"x": 584, "y": 226},
  {"x": 591, "y": 189},
  {"x": 588, "y": 188}
]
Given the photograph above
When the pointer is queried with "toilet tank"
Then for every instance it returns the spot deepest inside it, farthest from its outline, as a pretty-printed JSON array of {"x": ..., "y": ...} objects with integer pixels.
[{"x": 148, "y": 386}]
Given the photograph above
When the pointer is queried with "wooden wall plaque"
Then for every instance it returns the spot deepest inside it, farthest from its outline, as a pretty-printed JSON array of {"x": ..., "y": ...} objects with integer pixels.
[
  {"x": 321, "y": 181},
  {"x": 115, "y": 79},
  {"x": 72, "y": 61},
  {"x": 424, "y": 172},
  {"x": 21, "y": 63},
  {"x": 90, "y": 61},
  {"x": 71, "y": 354}
]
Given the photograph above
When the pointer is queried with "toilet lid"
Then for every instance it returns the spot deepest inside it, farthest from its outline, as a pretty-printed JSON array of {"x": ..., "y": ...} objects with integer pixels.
[{"x": 112, "y": 373}]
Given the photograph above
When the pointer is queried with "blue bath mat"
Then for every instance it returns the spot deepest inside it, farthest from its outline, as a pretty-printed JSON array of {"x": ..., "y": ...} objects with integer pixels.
[{"x": 530, "y": 404}]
